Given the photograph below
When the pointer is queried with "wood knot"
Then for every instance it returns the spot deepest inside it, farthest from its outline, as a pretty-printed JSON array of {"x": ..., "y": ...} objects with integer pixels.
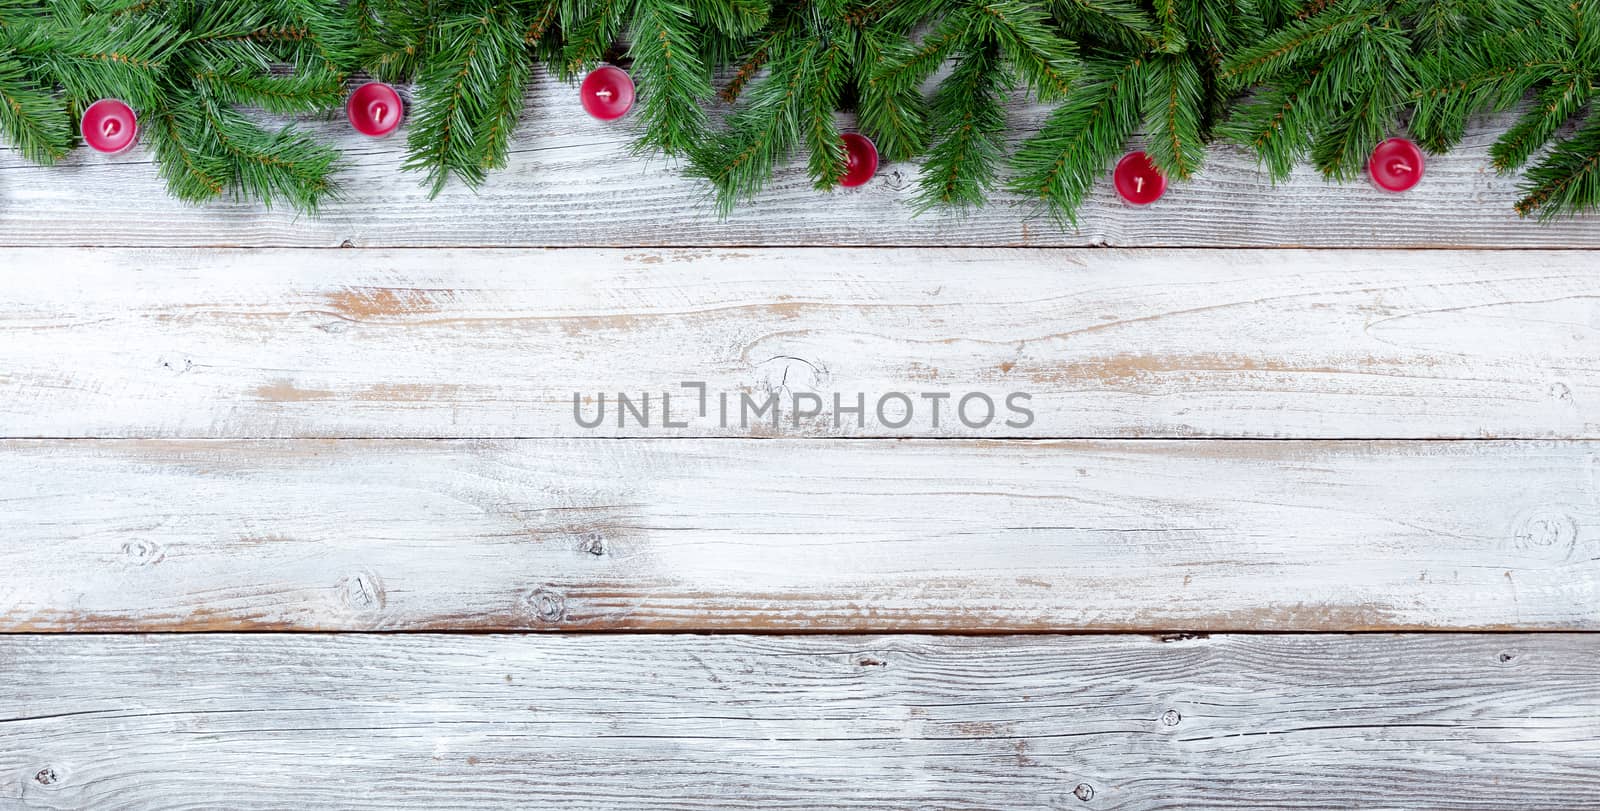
[
  {"x": 361, "y": 592},
  {"x": 177, "y": 365},
  {"x": 786, "y": 373},
  {"x": 593, "y": 544},
  {"x": 1506, "y": 657},
  {"x": 1171, "y": 718},
  {"x": 46, "y": 777},
  {"x": 1084, "y": 792},
  {"x": 1546, "y": 532},
  {"x": 868, "y": 661},
  {"x": 143, "y": 553},
  {"x": 547, "y": 604}
]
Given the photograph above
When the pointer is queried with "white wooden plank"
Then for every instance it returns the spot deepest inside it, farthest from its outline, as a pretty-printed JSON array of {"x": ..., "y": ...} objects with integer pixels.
[
  {"x": 1495, "y": 722},
  {"x": 571, "y": 181},
  {"x": 799, "y": 535},
  {"x": 453, "y": 343}
]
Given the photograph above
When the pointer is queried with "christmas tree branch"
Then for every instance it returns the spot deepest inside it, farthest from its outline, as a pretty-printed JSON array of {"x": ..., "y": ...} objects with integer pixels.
[
  {"x": 1568, "y": 180},
  {"x": 1057, "y": 167},
  {"x": 963, "y": 163}
]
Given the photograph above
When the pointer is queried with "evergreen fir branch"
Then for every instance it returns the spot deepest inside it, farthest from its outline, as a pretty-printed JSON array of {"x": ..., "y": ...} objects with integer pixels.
[
  {"x": 739, "y": 163},
  {"x": 31, "y": 118},
  {"x": 1554, "y": 106},
  {"x": 263, "y": 33},
  {"x": 1121, "y": 22},
  {"x": 968, "y": 118},
  {"x": 1567, "y": 181},
  {"x": 391, "y": 37},
  {"x": 1058, "y": 166},
  {"x": 504, "y": 105},
  {"x": 1276, "y": 125},
  {"x": 456, "y": 91},
  {"x": 17, "y": 15},
  {"x": 746, "y": 72},
  {"x": 542, "y": 17},
  {"x": 1331, "y": 79},
  {"x": 589, "y": 27},
  {"x": 1171, "y": 104},
  {"x": 100, "y": 56},
  {"x": 1043, "y": 59},
  {"x": 1172, "y": 29},
  {"x": 768, "y": 46},
  {"x": 184, "y": 153},
  {"x": 1276, "y": 13},
  {"x": 1435, "y": 23},
  {"x": 821, "y": 14},
  {"x": 895, "y": 116},
  {"x": 126, "y": 7},
  {"x": 330, "y": 47},
  {"x": 673, "y": 84},
  {"x": 911, "y": 66},
  {"x": 1217, "y": 29},
  {"x": 1302, "y": 41},
  {"x": 1491, "y": 75},
  {"x": 819, "y": 98},
  {"x": 734, "y": 18},
  {"x": 285, "y": 165},
  {"x": 278, "y": 94},
  {"x": 1376, "y": 83}
]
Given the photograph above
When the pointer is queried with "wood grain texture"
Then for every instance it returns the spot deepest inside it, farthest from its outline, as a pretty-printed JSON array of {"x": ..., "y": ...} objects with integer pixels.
[
  {"x": 463, "y": 343},
  {"x": 572, "y": 182},
  {"x": 798, "y": 535},
  {"x": 380, "y": 722}
]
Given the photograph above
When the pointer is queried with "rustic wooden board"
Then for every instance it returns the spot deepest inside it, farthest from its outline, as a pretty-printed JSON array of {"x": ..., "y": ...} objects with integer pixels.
[
  {"x": 424, "y": 343},
  {"x": 571, "y": 181},
  {"x": 798, "y": 535},
  {"x": 381, "y": 722}
]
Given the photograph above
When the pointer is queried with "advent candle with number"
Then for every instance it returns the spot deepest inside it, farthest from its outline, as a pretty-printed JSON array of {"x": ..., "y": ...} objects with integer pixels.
[
  {"x": 110, "y": 126},
  {"x": 1396, "y": 165},
  {"x": 861, "y": 159},
  {"x": 1138, "y": 180},
  {"x": 375, "y": 109},
  {"x": 607, "y": 93}
]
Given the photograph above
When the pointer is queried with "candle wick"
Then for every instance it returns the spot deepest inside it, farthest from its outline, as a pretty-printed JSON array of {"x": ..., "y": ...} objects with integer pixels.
[
  {"x": 604, "y": 94},
  {"x": 1400, "y": 166},
  {"x": 1138, "y": 185}
]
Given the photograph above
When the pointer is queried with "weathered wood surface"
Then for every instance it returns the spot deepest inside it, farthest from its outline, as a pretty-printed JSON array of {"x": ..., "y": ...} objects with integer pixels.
[
  {"x": 381, "y": 722},
  {"x": 798, "y": 535},
  {"x": 572, "y": 182},
  {"x": 426, "y": 343}
]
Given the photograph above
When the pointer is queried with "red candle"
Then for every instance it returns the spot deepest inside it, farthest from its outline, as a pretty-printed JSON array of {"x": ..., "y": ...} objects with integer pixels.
[
  {"x": 110, "y": 126},
  {"x": 607, "y": 93},
  {"x": 1396, "y": 165},
  {"x": 375, "y": 109},
  {"x": 861, "y": 159},
  {"x": 1138, "y": 180}
]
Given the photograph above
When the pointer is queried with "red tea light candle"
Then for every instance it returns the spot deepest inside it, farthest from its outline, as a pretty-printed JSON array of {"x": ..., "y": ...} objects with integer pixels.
[
  {"x": 861, "y": 159},
  {"x": 607, "y": 93},
  {"x": 375, "y": 109},
  {"x": 1138, "y": 180},
  {"x": 109, "y": 126},
  {"x": 1396, "y": 165}
]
